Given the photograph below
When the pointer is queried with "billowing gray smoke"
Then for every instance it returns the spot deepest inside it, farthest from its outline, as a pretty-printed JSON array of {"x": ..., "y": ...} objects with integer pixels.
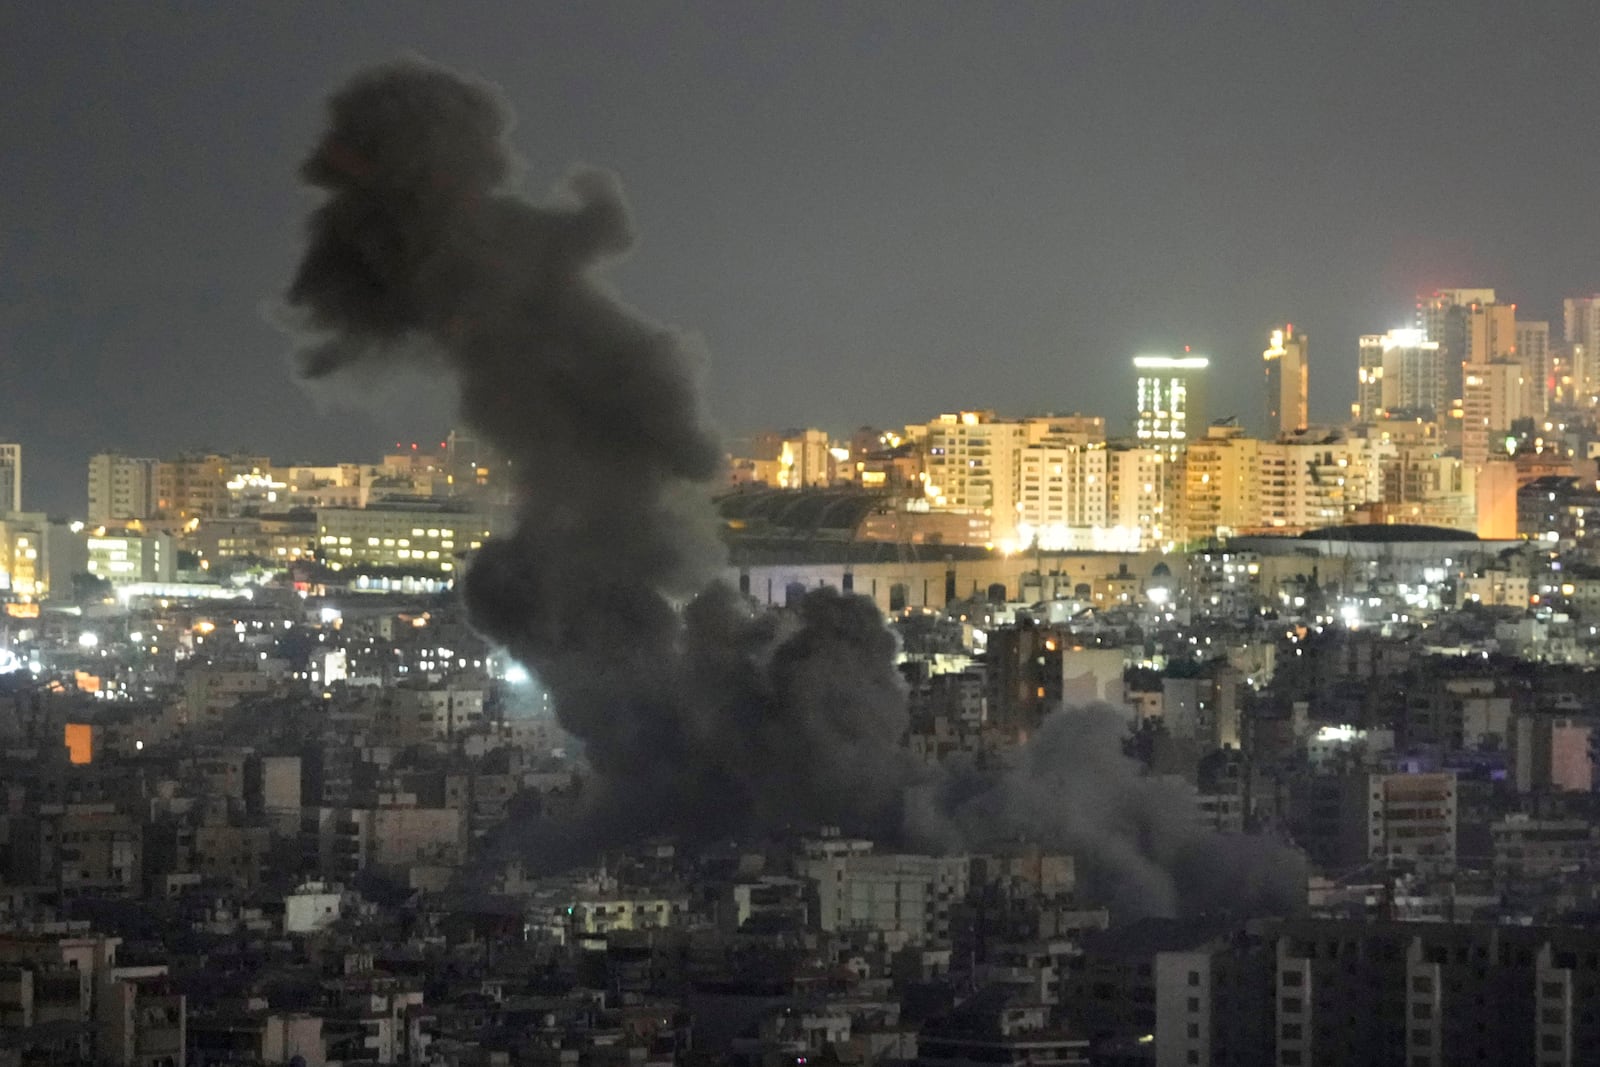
[
  {"x": 699, "y": 714},
  {"x": 712, "y": 718}
]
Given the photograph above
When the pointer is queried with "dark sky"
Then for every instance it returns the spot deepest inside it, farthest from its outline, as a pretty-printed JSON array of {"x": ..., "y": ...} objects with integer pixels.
[{"x": 869, "y": 211}]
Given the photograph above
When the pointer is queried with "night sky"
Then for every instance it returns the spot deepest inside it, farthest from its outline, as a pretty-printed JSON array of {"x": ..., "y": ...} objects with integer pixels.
[{"x": 870, "y": 212}]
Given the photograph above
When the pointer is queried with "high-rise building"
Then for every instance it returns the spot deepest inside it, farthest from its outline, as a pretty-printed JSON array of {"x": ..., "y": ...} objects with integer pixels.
[
  {"x": 1223, "y": 483},
  {"x": 1494, "y": 399},
  {"x": 1582, "y": 315},
  {"x": 1369, "y": 380},
  {"x": 121, "y": 488},
  {"x": 1538, "y": 372},
  {"x": 1062, "y": 489},
  {"x": 10, "y": 478},
  {"x": 1170, "y": 397},
  {"x": 1399, "y": 372},
  {"x": 1445, "y": 318},
  {"x": 1138, "y": 503},
  {"x": 1491, "y": 332},
  {"x": 971, "y": 463},
  {"x": 1288, "y": 382}
]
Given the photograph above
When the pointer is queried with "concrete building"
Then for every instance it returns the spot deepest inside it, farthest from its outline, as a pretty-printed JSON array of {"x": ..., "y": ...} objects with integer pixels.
[
  {"x": 122, "y": 557},
  {"x": 141, "y": 1020},
  {"x": 1142, "y": 505},
  {"x": 1062, "y": 493},
  {"x": 1408, "y": 818},
  {"x": 1581, "y": 322},
  {"x": 1214, "y": 1004},
  {"x": 1223, "y": 483},
  {"x": 1288, "y": 382},
  {"x": 39, "y": 556},
  {"x": 1433, "y": 993},
  {"x": 904, "y": 899},
  {"x": 430, "y": 539},
  {"x": 1400, "y": 371},
  {"x": 122, "y": 488},
  {"x": 1538, "y": 368},
  {"x": 89, "y": 848},
  {"x": 1494, "y": 396},
  {"x": 970, "y": 459},
  {"x": 1551, "y": 752},
  {"x": 1468, "y": 326}
]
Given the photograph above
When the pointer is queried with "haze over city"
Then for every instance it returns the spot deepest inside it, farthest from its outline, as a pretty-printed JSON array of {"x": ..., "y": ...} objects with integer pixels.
[{"x": 869, "y": 213}]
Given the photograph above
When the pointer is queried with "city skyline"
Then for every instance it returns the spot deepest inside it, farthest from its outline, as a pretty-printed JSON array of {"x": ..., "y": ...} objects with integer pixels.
[{"x": 1079, "y": 222}]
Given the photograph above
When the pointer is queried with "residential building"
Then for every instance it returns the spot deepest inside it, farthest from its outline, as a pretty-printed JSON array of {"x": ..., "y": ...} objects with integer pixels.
[
  {"x": 1538, "y": 368},
  {"x": 122, "y": 489}
]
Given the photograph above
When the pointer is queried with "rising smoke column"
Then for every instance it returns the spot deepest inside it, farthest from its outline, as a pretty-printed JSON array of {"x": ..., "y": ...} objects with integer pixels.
[
  {"x": 699, "y": 715},
  {"x": 705, "y": 720}
]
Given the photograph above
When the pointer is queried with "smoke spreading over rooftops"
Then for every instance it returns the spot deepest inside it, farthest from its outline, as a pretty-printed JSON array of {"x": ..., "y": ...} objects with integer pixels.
[{"x": 700, "y": 714}]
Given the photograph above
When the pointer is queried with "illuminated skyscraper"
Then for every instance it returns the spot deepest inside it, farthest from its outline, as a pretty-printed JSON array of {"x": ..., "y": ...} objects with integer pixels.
[
  {"x": 1288, "y": 382},
  {"x": 1171, "y": 399}
]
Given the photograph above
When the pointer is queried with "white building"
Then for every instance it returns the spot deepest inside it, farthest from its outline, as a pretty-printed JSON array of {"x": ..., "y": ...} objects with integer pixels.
[
  {"x": 122, "y": 488},
  {"x": 906, "y": 899},
  {"x": 311, "y": 907},
  {"x": 125, "y": 557},
  {"x": 430, "y": 539}
]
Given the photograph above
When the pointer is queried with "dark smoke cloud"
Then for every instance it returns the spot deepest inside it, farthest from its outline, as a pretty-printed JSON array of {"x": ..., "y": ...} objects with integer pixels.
[
  {"x": 1137, "y": 839},
  {"x": 703, "y": 720},
  {"x": 699, "y": 714}
]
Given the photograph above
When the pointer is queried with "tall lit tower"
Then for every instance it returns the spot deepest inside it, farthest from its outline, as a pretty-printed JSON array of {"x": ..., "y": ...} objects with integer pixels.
[
  {"x": 1288, "y": 382},
  {"x": 1171, "y": 391}
]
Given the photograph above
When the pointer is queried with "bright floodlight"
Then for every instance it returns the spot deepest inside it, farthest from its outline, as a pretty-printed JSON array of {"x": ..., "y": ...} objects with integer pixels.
[
  {"x": 88, "y": 639},
  {"x": 517, "y": 674}
]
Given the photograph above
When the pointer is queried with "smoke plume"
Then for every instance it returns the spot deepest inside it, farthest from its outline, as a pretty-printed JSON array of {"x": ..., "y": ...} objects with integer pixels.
[{"x": 700, "y": 715}]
